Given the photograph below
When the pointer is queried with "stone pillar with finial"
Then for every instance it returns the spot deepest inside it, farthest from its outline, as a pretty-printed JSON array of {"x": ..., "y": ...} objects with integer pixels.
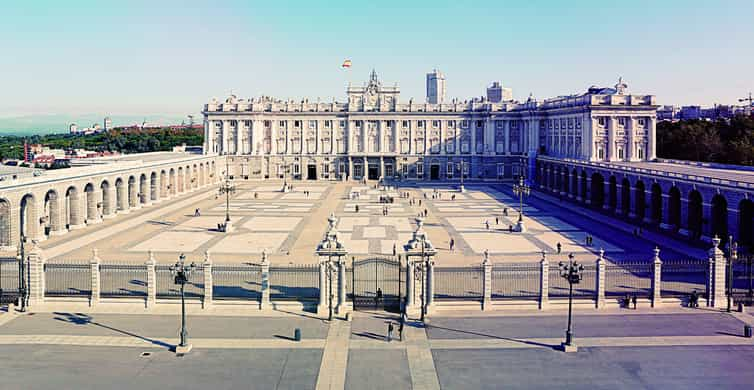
[
  {"x": 419, "y": 257},
  {"x": 716, "y": 283},
  {"x": 599, "y": 278},
  {"x": 656, "y": 278},
  {"x": 487, "y": 278},
  {"x": 544, "y": 282},
  {"x": 208, "y": 283},
  {"x": 265, "y": 298},
  {"x": 330, "y": 251},
  {"x": 36, "y": 261},
  {"x": 94, "y": 264},
  {"x": 151, "y": 280}
]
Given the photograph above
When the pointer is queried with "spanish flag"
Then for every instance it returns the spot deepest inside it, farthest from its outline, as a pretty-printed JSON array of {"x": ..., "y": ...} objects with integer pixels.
[{"x": 346, "y": 64}]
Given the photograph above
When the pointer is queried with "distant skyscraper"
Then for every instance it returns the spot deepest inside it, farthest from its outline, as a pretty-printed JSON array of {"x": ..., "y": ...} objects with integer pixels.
[
  {"x": 496, "y": 93},
  {"x": 108, "y": 123},
  {"x": 435, "y": 87}
]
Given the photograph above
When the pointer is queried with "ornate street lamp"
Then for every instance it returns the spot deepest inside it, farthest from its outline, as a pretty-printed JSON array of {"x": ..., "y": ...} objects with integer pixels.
[
  {"x": 227, "y": 187},
  {"x": 571, "y": 272},
  {"x": 181, "y": 273},
  {"x": 23, "y": 291},
  {"x": 521, "y": 189},
  {"x": 732, "y": 257}
]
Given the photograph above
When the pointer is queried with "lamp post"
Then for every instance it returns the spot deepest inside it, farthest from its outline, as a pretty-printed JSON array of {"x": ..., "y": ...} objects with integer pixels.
[
  {"x": 181, "y": 273},
  {"x": 571, "y": 272},
  {"x": 22, "y": 287},
  {"x": 424, "y": 268},
  {"x": 462, "y": 166},
  {"x": 521, "y": 189},
  {"x": 227, "y": 187},
  {"x": 732, "y": 257}
]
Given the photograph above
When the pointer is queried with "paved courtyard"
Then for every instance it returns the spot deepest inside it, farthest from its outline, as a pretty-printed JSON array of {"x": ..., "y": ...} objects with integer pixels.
[
  {"x": 669, "y": 348},
  {"x": 288, "y": 226}
]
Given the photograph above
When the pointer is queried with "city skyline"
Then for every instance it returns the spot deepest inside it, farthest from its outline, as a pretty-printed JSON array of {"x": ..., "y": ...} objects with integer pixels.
[{"x": 85, "y": 57}]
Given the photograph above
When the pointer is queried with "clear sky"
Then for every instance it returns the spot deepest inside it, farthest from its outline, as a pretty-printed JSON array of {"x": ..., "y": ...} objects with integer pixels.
[{"x": 170, "y": 57}]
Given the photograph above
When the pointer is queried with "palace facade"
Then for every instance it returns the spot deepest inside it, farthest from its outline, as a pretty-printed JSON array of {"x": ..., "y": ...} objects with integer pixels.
[{"x": 376, "y": 135}]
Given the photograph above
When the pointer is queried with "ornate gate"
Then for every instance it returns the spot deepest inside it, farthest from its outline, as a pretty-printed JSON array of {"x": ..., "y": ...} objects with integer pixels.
[{"x": 375, "y": 274}]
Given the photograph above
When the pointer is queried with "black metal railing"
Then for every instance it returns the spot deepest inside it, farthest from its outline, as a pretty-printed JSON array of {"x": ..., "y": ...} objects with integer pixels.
[
  {"x": 9, "y": 280},
  {"x": 519, "y": 281},
  {"x": 123, "y": 280},
  {"x": 459, "y": 282},
  {"x": 68, "y": 279},
  {"x": 681, "y": 277},
  {"x": 629, "y": 277},
  {"x": 236, "y": 281},
  {"x": 294, "y": 282}
]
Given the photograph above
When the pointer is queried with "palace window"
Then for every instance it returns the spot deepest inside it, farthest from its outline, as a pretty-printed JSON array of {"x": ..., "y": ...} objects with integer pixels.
[
  {"x": 282, "y": 124},
  {"x": 600, "y": 153},
  {"x": 233, "y": 123},
  {"x": 312, "y": 124},
  {"x": 602, "y": 121},
  {"x": 327, "y": 124},
  {"x": 449, "y": 169},
  {"x": 342, "y": 124},
  {"x": 267, "y": 124},
  {"x": 451, "y": 124},
  {"x": 404, "y": 169},
  {"x": 420, "y": 168},
  {"x": 578, "y": 122},
  {"x": 622, "y": 121},
  {"x": 357, "y": 123},
  {"x": 404, "y": 124},
  {"x": 642, "y": 123},
  {"x": 640, "y": 153},
  {"x": 247, "y": 124},
  {"x": 435, "y": 124},
  {"x": 464, "y": 124},
  {"x": 499, "y": 124},
  {"x": 420, "y": 123},
  {"x": 479, "y": 124},
  {"x": 620, "y": 153}
]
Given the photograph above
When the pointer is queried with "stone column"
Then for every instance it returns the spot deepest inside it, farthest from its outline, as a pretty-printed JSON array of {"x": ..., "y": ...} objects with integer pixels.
[
  {"x": 207, "y": 267},
  {"x": 94, "y": 263},
  {"x": 410, "y": 287},
  {"x": 716, "y": 284},
  {"x": 156, "y": 189},
  {"x": 224, "y": 143},
  {"x": 599, "y": 278},
  {"x": 133, "y": 199},
  {"x": 648, "y": 206},
  {"x": 76, "y": 209},
  {"x": 265, "y": 298},
  {"x": 611, "y": 139},
  {"x": 123, "y": 204},
  {"x": 656, "y": 279},
  {"x": 487, "y": 285},
  {"x": 606, "y": 197},
  {"x": 652, "y": 143},
  {"x": 151, "y": 281},
  {"x": 109, "y": 207},
  {"x": 341, "y": 308},
  {"x": 36, "y": 260},
  {"x": 322, "y": 308},
  {"x": 92, "y": 209},
  {"x": 619, "y": 198},
  {"x": 544, "y": 282},
  {"x": 57, "y": 227}
]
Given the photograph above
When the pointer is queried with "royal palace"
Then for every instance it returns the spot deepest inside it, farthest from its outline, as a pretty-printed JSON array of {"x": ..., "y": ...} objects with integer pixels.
[{"x": 377, "y": 135}]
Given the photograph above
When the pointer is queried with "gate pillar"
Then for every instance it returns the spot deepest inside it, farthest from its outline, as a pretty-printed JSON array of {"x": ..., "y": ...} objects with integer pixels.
[
  {"x": 342, "y": 308},
  {"x": 419, "y": 255}
]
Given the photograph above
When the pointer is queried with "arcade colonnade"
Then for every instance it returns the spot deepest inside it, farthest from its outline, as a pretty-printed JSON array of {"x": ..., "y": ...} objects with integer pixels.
[
  {"x": 692, "y": 209},
  {"x": 54, "y": 204}
]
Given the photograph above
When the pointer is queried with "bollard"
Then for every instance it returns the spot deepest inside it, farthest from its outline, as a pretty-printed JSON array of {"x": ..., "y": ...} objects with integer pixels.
[
  {"x": 297, "y": 334},
  {"x": 747, "y": 331}
]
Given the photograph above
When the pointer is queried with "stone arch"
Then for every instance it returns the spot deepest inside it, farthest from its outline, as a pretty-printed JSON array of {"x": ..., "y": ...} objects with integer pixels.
[
  {"x": 53, "y": 217},
  {"x": 567, "y": 181},
  {"x": 598, "y": 190},
  {"x": 121, "y": 194},
  {"x": 583, "y": 187},
  {"x": 133, "y": 192},
  {"x": 74, "y": 214},
  {"x": 29, "y": 218},
  {"x": 719, "y": 217},
  {"x": 640, "y": 203},
  {"x": 93, "y": 203},
  {"x": 613, "y": 193},
  {"x": 625, "y": 196},
  {"x": 163, "y": 184},
  {"x": 143, "y": 188},
  {"x": 212, "y": 171},
  {"x": 695, "y": 214},
  {"x": 746, "y": 224},
  {"x": 181, "y": 178},
  {"x": 656, "y": 205},
  {"x": 173, "y": 186},
  {"x": 674, "y": 208},
  {"x": 5, "y": 222},
  {"x": 107, "y": 201},
  {"x": 575, "y": 182},
  {"x": 153, "y": 187},
  {"x": 195, "y": 176},
  {"x": 201, "y": 174}
]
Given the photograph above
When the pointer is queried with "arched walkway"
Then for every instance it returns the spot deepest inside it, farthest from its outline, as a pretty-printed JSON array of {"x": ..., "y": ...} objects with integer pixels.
[
  {"x": 746, "y": 224},
  {"x": 598, "y": 191},
  {"x": 107, "y": 201},
  {"x": 74, "y": 213},
  {"x": 5, "y": 219},
  {"x": 92, "y": 203},
  {"x": 28, "y": 217},
  {"x": 640, "y": 203},
  {"x": 143, "y": 189},
  {"x": 613, "y": 202},
  {"x": 583, "y": 191},
  {"x": 656, "y": 213},
  {"x": 172, "y": 187},
  {"x": 625, "y": 196},
  {"x": 154, "y": 194},
  {"x": 674, "y": 208},
  {"x": 719, "y": 217},
  {"x": 575, "y": 183},
  {"x": 121, "y": 194},
  {"x": 133, "y": 192},
  {"x": 181, "y": 178},
  {"x": 695, "y": 214},
  {"x": 53, "y": 218}
]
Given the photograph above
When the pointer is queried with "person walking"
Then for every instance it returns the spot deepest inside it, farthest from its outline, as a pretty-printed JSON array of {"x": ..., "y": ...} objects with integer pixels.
[
  {"x": 452, "y": 244},
  {"x": 197, "y": 213},
  {"x": 401, "y": 324},
  {"x": 560, "y": 247},
  {"x": 497, "y": 220},
  {"x": 395, "y": 250},
  {"x": 487, "y": 225},
  {"x": 389, "y": 331}
]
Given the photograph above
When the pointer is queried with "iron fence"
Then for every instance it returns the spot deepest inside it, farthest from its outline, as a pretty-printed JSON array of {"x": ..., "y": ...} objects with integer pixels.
[
  {"x": 515, "y": 281},
  {"x": 123, "y": 280},
  {"x": 349, "y": 283},
  {"x": 294, "y": 282},
  {"x": 459, "y": 282},
  {"x": 68, "y": 279},
  {"x": 166, "y": 287},
  {"x": 558, "y": 285},
  {"x": 628, "y": 277},
  {"x": 236, "y": 281},
  {"x": 9, "y": 279},
  {"x": 681, "y": 277}
]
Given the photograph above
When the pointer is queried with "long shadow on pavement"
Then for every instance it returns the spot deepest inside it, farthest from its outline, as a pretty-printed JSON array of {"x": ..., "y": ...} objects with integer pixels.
[
  {"x": 83, "y": 319},
  {"x": 428, "y": 326}
]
